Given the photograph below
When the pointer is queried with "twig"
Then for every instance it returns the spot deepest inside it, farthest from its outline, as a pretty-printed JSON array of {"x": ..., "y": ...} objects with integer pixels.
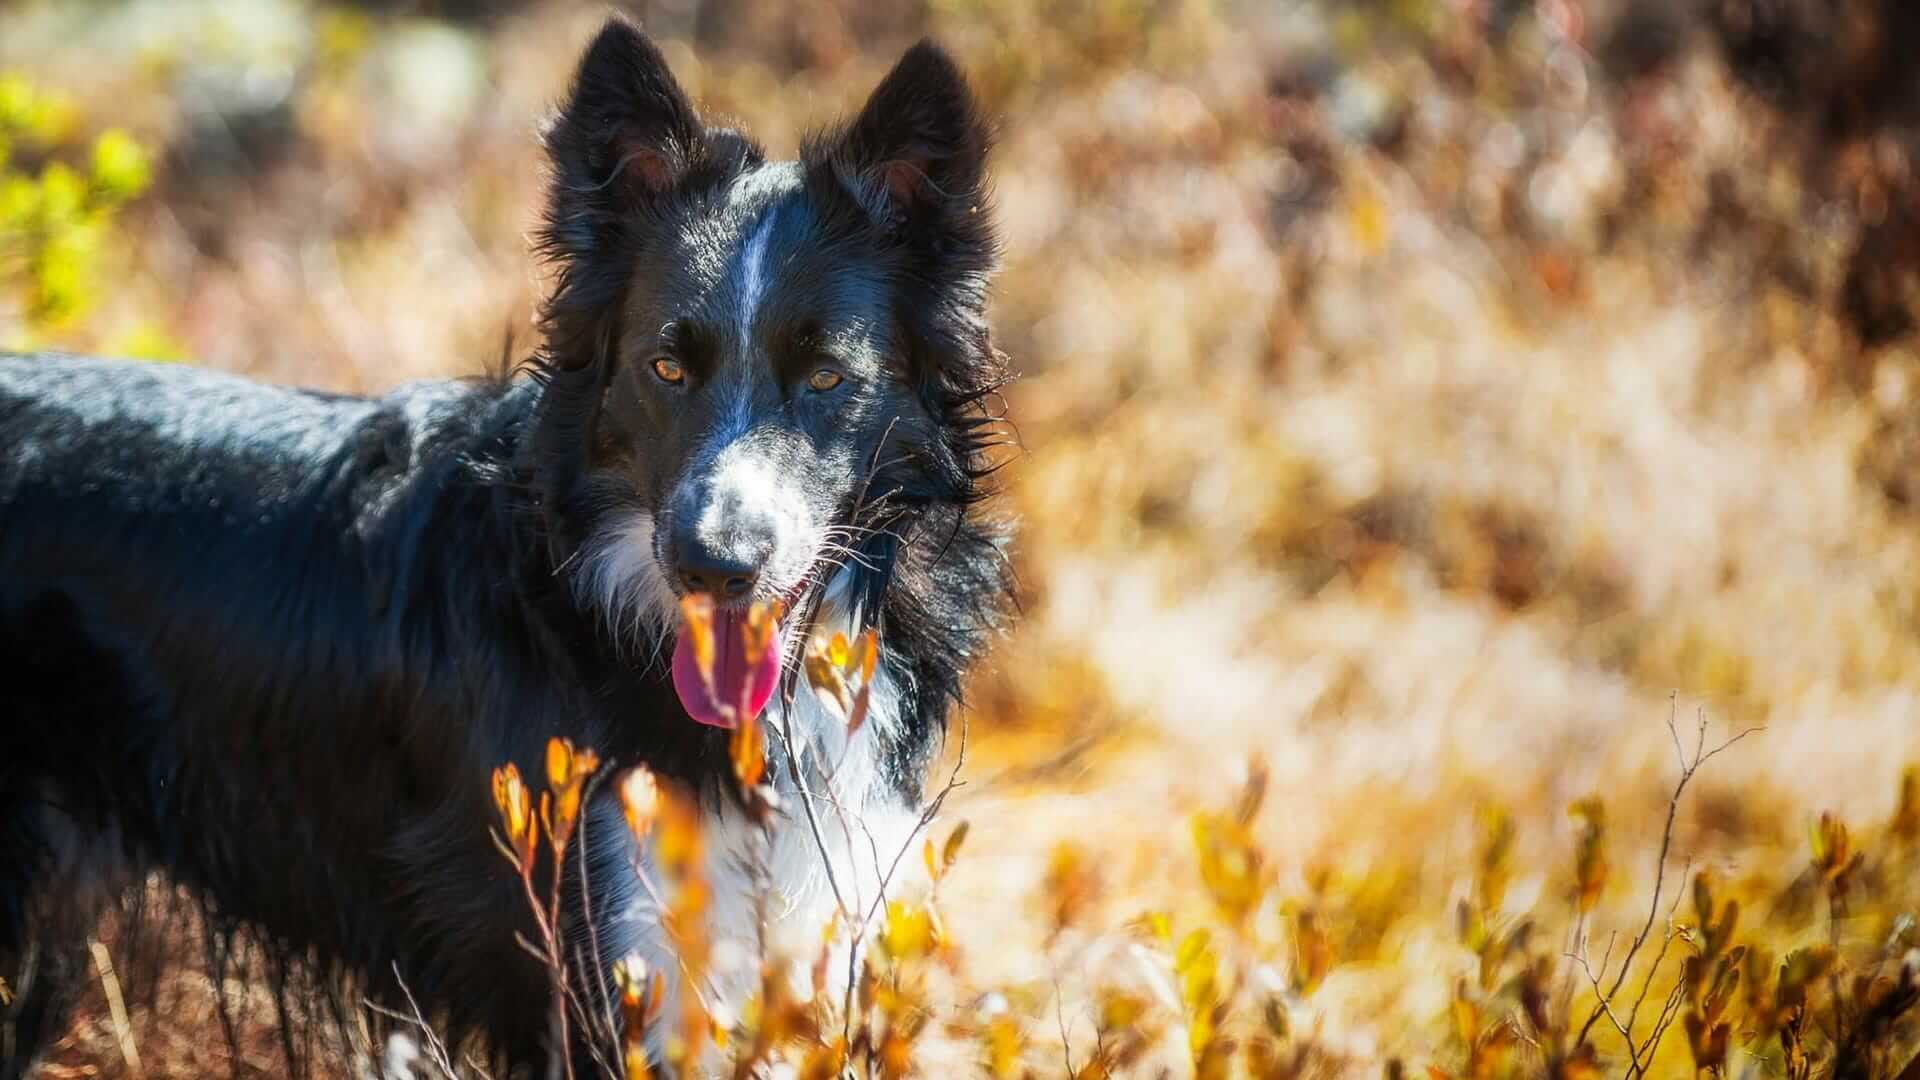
[
  {"x": 1576, "y": 933},
  {"x": 586, "y": 1023},
  {"x": 927, "y": 815},
  {"x": 598, "y": 962},
  {"x": 1633, "y": 1013},
  {"x": 1060, "y": 1017},
  {"x": 1606, "y": 1007},
  {"x": 559, "y": 1062},
  {"x": 116, "y": 1006},
  {"x": 806, "y": 806},
  {"x": 436, "y": 1050},
  {"x": 1668, "y": 1013},
  {"x": 1688, "y": 768}
]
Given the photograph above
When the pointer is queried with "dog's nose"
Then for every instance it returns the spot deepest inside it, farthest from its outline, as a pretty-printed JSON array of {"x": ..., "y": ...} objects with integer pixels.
[{"x": 704, "y": 569}]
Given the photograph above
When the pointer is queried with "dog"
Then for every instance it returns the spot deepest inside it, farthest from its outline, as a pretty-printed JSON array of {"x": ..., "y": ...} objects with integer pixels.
[{"x": 267, "y": 644}]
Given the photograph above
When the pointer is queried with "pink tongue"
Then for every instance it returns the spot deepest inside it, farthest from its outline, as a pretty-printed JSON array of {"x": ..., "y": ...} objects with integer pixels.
[{"x": 740, "y": 681}]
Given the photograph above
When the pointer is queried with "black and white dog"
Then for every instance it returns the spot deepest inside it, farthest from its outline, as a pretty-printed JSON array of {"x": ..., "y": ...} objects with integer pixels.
[{"x": 270, "y": 643}]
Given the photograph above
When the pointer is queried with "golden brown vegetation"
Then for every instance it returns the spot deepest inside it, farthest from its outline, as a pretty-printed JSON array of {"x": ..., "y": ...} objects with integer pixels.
[{"x": 1417, "y": 396}]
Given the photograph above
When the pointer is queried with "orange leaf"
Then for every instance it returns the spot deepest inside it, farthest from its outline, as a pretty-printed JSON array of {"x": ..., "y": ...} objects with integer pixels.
[
  {"x": 697, "y": 610},
  {"x": 762, "y": 620},
  {"x": 858, "y": 715},
  {"x": 749, "y": 752},
  {"x": 516, "y": 810},
  {"x": 951, "y": 850},
  {"x": 825, "y": 675},
  {"x": 559, "y": 762}
]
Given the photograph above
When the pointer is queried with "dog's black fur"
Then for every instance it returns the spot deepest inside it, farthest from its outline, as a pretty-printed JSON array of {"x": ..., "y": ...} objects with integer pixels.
[{"x": 268, "y": 643}]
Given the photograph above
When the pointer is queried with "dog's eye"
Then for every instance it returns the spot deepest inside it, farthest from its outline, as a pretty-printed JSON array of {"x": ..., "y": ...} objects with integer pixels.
[
  {"x": 823, "y": 380},
  {"x": 669, "y": 371}
]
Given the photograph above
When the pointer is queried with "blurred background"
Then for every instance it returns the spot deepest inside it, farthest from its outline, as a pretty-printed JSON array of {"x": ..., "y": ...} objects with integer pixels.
[{"x": 1422, "y": 402}]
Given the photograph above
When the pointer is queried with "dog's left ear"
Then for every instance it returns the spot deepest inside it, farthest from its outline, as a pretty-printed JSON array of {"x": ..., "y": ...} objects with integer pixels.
[{"x": 915, "y": 158}]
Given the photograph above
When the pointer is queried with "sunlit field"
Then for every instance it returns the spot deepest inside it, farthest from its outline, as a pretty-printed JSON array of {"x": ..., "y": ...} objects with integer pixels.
[{"x": 1467, "y": 481}]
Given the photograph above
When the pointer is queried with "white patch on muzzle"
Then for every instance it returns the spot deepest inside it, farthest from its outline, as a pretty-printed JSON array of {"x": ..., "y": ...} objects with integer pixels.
[{"x": 742, "y": 483}]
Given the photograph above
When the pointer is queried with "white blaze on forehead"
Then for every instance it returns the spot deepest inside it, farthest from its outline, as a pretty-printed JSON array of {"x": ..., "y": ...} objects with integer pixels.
[
  {"x": 756, "y": 198},
  {"x": 752, "y": 286},
  {"x": 761, "y": 192},
  {"x": 753, "y": 277}
]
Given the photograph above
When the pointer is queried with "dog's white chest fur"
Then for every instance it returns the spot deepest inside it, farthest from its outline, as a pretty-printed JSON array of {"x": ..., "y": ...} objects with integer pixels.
[
  {"x": 776, "y": 889},
  {"x": 826, "y": 855}
]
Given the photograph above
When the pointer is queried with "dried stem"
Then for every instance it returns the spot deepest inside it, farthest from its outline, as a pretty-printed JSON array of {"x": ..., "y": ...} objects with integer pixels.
[
  {"x": 1689, "y": 765},
  {"x": 116, "y": 1006}
]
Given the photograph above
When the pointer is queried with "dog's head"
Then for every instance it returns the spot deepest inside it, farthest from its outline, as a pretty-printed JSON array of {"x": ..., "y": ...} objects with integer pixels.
[{"x": 764, "y": 377}]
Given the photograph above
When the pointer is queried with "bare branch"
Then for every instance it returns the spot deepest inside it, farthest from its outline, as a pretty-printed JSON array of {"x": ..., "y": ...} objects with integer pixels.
[
  {"x": 806, "y": 806},
  {"x": 1060, "y": 1017},
  {"x": 1653, "y": 912},
  {"x": 436, "y": 1049},
  {"x": 116, "y": 1005},
  {"x": 609, "y": 1029},
  {"x": 1606, "y": 1008},
  {"x": 1673, "y": 706},
  {"x": 1709, "y": 755},
  {"x": 1646, "y": 985},
  {"x": 1688, "y": 767}
]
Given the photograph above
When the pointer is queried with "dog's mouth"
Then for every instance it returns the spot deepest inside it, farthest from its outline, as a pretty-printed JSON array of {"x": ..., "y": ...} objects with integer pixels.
[
  {"x": 746, "y": 650},
  {"x": 741, "y": 674}
]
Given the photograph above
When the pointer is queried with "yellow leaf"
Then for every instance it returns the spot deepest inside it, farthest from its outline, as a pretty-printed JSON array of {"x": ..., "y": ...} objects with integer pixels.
[
  {"x": 677, "y": 835},
  {"x": 1590, "y": 857},
  {"x": 120, "y": 167},
  {"x": 640, "y": 798},
  {"x": 1120, "y": 1012},
  {"x": 824, "y": 1062},
  {"x": 826, "y": 678},
  {"x": 1466, "y": 1021},
  {"x": 1252, "y": 794},
  {"x": 1906, "y": 814},
  {"x": 950, "y": 851},
  {"x": 1003, "y": 1045},
  {"x": 908, "y": 932},
  {"x": 1367, "y": 220},
  {"x": 1313, "y": 952},
  {"x": 636, "y": 1061},
  {"x": 1231, "y": 865}
]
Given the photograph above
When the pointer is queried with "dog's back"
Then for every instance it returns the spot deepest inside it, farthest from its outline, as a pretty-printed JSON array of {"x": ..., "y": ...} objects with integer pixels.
[{"x": 203, "y": 621}]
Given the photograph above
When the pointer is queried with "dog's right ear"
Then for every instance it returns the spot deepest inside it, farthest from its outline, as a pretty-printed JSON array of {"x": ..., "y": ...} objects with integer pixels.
[{"x": 625, "y": 138}]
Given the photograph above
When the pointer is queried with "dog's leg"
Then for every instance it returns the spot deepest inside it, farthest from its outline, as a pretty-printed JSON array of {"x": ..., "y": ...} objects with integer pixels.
[
  {"x": 45, "y": 980},
  {"x": 46, "y": 913}
]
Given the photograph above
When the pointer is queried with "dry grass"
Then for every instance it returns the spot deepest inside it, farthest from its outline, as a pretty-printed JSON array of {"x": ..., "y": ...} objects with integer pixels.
[{"x": 1408, "y": 407}]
